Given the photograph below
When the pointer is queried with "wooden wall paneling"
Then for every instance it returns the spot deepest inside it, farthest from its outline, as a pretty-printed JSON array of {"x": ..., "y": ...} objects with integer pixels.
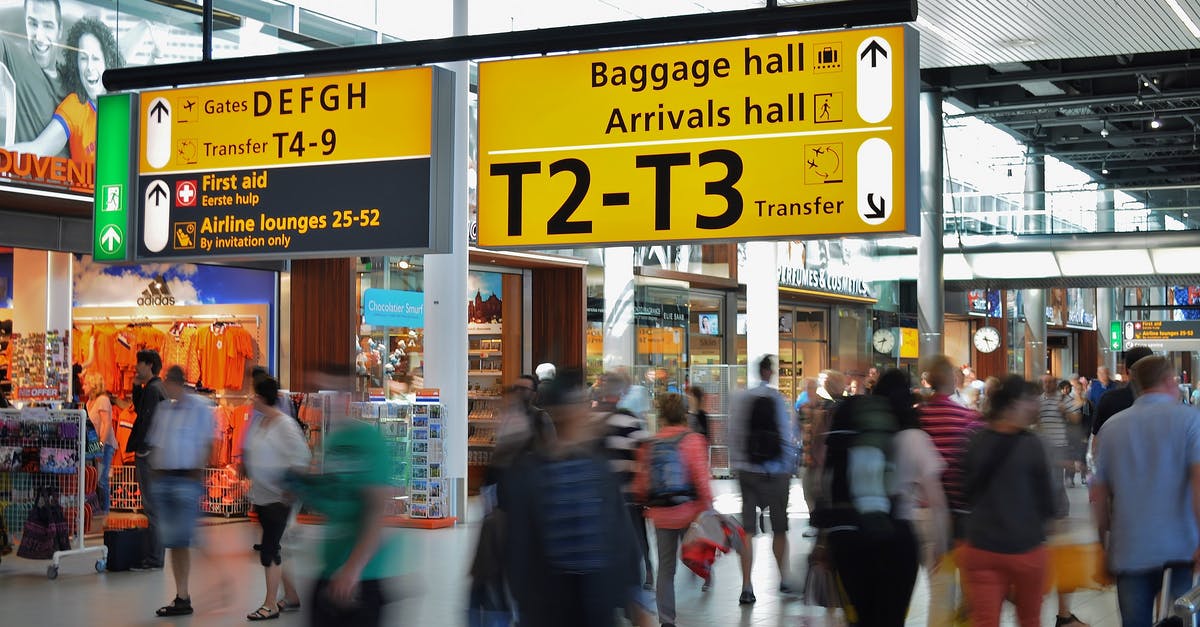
[
  {"x": 559, "y": 317},
  {"x": 995, "y": 363},
  {"x": 1088, "y": 345},
  {"x": 323, "y": 320},
  {"x": 511, "y": 313}
]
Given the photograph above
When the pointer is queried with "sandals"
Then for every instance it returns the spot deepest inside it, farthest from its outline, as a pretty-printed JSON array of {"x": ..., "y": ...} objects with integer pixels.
[
  {"x": 262, "y": 613},
  {"x": 178, "y": 607},
  {"x": 1063, "y": 621},
  {"x": 284, "y": 606}
]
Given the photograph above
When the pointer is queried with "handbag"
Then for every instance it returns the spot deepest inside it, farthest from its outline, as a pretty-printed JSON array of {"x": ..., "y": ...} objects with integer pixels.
[
  {"x": 45, "y": 529},
  {"x": 94, "y": 449},
  {"x": 821, "y": 585}
]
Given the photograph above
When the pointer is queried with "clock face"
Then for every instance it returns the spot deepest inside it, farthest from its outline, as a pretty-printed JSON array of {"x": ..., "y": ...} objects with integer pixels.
[
  {"x": 987, "y": 339},
  {"x": 884, "y": 341}
]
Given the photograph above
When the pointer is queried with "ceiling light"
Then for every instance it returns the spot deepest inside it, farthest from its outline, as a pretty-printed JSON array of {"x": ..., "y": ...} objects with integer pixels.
[
  {"x": 1156, "y": 122},
  {"x": 1103, "y": 129},
  {"x": 1121, "y": 262},
  {"x": 1185, "y": 214},
  {"x": 1104, "y": 167},
  {"x": 1184, "y": 17},
  {"x": 403, "y": 264}
]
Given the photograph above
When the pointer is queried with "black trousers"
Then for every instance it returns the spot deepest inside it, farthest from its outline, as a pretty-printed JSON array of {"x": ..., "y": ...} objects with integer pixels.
[
  {"x": 365, "y": 611},
  {"x": 640, "y": 529},
  {"x": 273, "y": 518},
  {"x": 878, "y": 573}
]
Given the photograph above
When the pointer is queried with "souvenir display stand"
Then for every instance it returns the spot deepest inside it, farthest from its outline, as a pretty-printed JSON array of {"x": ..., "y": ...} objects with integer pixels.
[{"x": 42, "y": 450}]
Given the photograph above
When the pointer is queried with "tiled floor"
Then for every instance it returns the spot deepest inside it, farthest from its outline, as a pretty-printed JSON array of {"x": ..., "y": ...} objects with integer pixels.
[{"x": 227, "y": 583}]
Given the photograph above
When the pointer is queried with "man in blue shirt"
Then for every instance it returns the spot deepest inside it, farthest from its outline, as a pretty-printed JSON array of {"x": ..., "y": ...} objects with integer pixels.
[
  {"x": 1147, "y": 508},
  {"x": 765, "y": 484},
  {"x": 1101, "y": 384}
]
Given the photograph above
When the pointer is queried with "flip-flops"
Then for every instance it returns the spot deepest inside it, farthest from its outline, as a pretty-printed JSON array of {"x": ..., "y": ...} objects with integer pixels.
[{"x": 262, "y": 613}]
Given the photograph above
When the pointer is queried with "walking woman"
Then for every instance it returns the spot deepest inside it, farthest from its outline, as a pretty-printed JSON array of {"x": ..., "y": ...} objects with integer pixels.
[
  {"x": 99, "y": 411},
  {"x": 673, "y": 480},
  {"x": 274, "y": 446},
  {"x": 1008, "y": 485}
]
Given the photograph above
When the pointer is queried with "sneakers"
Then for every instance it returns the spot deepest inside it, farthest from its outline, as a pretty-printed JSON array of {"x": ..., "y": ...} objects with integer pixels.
[
  {"x": 145, "y": 566},
  {"x": 747, "y": 598}
]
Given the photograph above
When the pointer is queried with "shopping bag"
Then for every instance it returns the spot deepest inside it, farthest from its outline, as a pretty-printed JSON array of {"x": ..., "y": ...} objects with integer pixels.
[
  {"x": 821, "y": 585},
  {"x": 44, "y": 529},
  {"x": 1077, "y": 566},
  {"x": 710, "y": 535}
]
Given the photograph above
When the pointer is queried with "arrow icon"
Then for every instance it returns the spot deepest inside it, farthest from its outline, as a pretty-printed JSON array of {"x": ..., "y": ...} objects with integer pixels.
[
  {"x": 158, "y": 192},
  {"x": 160, "y": 109},
  {"x": 873, "y": 49},
  {"x": 110, "y": 239},
  {"x": 877, "y": 211}
]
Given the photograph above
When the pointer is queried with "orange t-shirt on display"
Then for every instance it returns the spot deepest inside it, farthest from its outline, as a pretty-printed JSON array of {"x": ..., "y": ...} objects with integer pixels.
[{"x": 238, "y": 347}]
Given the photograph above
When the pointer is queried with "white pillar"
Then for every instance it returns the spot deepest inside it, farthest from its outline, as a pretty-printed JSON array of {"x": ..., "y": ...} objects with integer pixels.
[
  {"x": 931, "y": 295},
  {"x": 620, "y": 332},
  {"x": 446, "y": 342},
  {"x": 762, "y": 306},
  {"x": 43, "y": 291}
]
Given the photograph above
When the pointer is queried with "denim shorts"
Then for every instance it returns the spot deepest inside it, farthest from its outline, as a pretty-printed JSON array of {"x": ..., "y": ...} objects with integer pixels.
[{"x": 177, "y": 503}]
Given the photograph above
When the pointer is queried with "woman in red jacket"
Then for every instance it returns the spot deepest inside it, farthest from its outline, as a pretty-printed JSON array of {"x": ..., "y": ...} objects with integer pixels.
[{"x": 673, "y": 480}]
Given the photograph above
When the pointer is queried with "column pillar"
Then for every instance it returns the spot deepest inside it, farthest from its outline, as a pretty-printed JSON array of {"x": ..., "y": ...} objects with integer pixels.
[
  {"x": 1036, "y": 220},
  {"x": 1035, "y": 333},
  {"x": 931, "y": 307},
  {"x": 446, "y": 295},
  {"x": 762, "y": 306},
  {"x": 1105, "y": 298},
  {"x": 1106, "y": 211},
  {"x": 620, "y": 331}
]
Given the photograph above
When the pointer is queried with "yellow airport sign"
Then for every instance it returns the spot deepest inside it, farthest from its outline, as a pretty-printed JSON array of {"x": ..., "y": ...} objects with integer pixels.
[
  {"x": 301, "y": 121},
  {"x": 782, "y": 137}
]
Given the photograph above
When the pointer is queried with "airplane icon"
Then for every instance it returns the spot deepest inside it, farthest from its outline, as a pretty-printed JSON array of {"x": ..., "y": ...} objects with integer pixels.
[{"x": 189, "y": 104}]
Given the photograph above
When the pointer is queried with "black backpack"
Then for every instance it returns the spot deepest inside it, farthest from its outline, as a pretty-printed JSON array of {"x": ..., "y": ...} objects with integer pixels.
[
  {"x": 763, "y": 441},
  {"x": 859, "y": 467}
]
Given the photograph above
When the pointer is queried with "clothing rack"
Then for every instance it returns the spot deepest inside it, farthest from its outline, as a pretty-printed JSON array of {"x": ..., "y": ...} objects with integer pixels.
[{"x": 256, "y": 319}]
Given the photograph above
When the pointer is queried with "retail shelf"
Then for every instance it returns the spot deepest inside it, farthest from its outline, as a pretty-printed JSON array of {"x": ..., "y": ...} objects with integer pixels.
[
  {"x": 483, "y": 397},
  {"x": 484, "y": 373},
  {"x": 477, "y": 352}
]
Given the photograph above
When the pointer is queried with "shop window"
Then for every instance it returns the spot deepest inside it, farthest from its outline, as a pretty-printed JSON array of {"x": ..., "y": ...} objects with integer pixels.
[{"x": 706, "y": 328}]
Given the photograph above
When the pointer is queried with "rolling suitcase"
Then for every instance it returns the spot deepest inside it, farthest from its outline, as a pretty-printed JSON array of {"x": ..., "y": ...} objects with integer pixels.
[
  {"x": 1181, "y": 612},
  {"x": 126, "y": 547}
]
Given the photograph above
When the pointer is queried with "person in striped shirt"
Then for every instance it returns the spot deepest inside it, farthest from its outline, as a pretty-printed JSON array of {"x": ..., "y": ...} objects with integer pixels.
[
  {"x": 950, "y": 425},
  {"x": 625, "y": 432}
]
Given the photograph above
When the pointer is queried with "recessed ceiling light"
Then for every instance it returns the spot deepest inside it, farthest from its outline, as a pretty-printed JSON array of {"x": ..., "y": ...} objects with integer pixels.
[{"x": 1022, "y": 42}]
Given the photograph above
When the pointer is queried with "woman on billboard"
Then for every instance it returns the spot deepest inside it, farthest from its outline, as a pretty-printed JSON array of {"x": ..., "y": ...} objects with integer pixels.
[{"x": 91, "y": 49}]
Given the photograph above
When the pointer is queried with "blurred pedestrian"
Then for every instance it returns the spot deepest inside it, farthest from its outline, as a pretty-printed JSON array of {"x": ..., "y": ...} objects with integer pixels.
[
  {"x": 148, "y": 394},
  {"x": 624, "y": 434},
  {"x": 950, "y": 426},
  {"x": 673, "y": 480},
  {"x": 352, "y": 492},
  {"x": 814, "y": 425},
  {"x": 1009, "y": 486},
  {"x": 99, "y": 411},
  {"x": 274, "y": 446},
  {"x": 869, "y": 511},
  {"x": 571, "y": 558},
  {"x": 697, "y": 417},
  {"x": 1146, "y": 482},
  {"x": 762, "y": 450},
  {"x": 179, "y": 441}
]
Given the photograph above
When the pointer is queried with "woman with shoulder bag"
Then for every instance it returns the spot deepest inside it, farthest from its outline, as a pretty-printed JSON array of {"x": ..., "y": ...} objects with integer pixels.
[
  {"x": 1010, "y": 487},
  {"x": 274, "y": 446}
]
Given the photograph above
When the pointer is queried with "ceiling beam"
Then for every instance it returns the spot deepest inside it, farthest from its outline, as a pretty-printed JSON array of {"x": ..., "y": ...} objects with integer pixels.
[
  {"x": 1059, "y": 102},
  {"x": 948, "y": 78}
]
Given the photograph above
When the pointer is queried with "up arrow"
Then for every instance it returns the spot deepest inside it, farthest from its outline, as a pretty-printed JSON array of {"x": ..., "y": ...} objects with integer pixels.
[
  {"x": 159, "y": 110},
  {"x": 110, "y": 239},
  {"x": 873, "y": 49},
  {"x": 158, "y": 192}
]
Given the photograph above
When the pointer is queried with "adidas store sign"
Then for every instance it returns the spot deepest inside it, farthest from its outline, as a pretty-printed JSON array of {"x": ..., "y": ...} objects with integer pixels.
[{"x": 157, "y": 294}]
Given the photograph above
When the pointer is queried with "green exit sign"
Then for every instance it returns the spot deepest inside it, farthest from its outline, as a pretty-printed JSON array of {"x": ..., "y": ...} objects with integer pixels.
[
  {"x": 1116, "y": 340},
  {"x": 110, "y": 214}
]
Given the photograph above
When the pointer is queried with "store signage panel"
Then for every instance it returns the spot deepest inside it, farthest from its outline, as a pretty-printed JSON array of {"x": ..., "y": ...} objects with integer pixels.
[
  {"x": 317, "y": 166},
  {"x": 394, "y": 308},
  {"x": 784, "y": 137},
  {"x": 1159, "y": 335},
  {"x": 110, "y": 217}
]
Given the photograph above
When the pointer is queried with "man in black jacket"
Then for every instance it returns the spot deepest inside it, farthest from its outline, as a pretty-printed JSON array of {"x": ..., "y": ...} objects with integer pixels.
[{"x": 148, "y": 392}]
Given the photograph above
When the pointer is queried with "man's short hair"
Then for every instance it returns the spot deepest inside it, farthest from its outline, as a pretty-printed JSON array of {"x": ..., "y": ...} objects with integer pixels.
[
  {"x": 57, "y": 8},
  {"x": 1150, "y": 371},
  {"x": 766, "y": 364},
  {"x": 174, "y": 374},
  {"x": 150, "y": 356},
  {"x": 1133, "y": 355},
  {"x": 941, "y": 372}
]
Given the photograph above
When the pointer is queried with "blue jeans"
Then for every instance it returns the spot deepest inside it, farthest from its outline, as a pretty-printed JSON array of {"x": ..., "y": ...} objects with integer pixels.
[
  {"x": 102, "y": 481},
  {"x": 177, "y": 501},
  {"x": 1136, "y": 593}
]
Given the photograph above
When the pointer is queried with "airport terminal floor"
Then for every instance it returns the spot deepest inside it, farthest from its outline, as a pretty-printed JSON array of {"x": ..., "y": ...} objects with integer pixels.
[{"x": 227, "y": 582}]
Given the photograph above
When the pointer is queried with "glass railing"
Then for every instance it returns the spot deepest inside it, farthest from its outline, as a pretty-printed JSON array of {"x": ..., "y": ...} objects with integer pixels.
[{"x": 1074, "y": 211}]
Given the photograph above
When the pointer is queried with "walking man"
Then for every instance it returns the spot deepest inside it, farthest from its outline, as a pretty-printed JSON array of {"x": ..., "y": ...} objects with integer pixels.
[
  {"x": 180, "y": 443},
  {"x": 148, "y": 393},
  {"x": 1147, "y": 488},
  {"x": 763, "y": 453}
]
